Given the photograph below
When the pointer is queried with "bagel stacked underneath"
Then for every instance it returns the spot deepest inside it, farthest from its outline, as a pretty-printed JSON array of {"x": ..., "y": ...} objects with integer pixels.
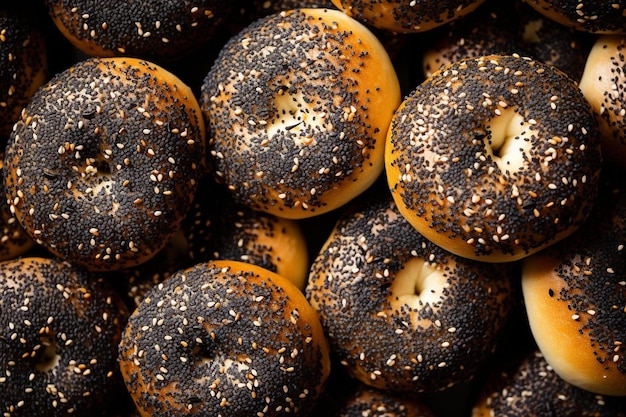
[
  {"x": 410, "y": 16},
  {"x": 158, "y": 30},
  {"x": 23, "y": 67},
  {"x": 604, "y": 85},
  {"x": 604, "y": 17},
  {"x": 530, "y": 387}
]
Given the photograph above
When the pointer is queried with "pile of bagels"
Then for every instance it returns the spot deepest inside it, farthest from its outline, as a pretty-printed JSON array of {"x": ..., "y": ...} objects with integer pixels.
[{"x": 312, "y": 208}]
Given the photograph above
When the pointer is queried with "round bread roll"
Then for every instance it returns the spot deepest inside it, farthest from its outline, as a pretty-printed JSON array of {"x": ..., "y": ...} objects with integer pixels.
[
  {"x": 400, "y": 313},
  {"x": 157, "y": 30},
  {"x": 58, "y": 348},
  {"x": 532, "y": 388},
  {"x": 602, "y": 17},
  {"x": 407, "y": 17},
  {"x": 604, "y": 85},
  {"x": 226, "y": 338},
  {"x": 575, "y": 297},
  {"x": 298, "y": 104},
  {"x": 23, "y": 67},
  {"x": 104, "y": 162},
  {"x": 494, "y": 158}
]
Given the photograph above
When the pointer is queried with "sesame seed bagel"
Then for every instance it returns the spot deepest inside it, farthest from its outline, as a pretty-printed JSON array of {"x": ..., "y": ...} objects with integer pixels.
[
  {"x": 23, "y": 67},
  {"x": 531, "y": 388},
  {"x": 494, "y": 158},
  {"x": 601, "y": 17},
  {"x": 575, "y": 297},
  {"x": 226, "y": 338},
  {"x": 103, "y": 164},
  {"x": 407, "y": 17},
  {"x": 298, "y": 104},
  {"x": 400, "y": 313},
  {"x": 604, "y": 85},
  {"x": 158, "y": 30},
  {"x": 60, "y": 330}
]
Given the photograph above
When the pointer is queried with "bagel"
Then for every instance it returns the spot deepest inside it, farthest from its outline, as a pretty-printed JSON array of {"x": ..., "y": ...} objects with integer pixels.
[
  {"x": 61, "y": 329},
  {"x": 227, "y": 338},
  {"x": 297, "y": 106},
  {"x": 575, "y": 297},
  {"x": 103, "y": 164},
  {"x": 157, "y": 30},
  {"x": 494, "y": 158},
  {"x": 400, "y": 313}
]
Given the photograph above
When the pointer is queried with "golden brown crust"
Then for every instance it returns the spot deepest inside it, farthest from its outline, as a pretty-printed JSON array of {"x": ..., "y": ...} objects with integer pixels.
[
  {"x": 228, "y": 336},
  {"x": 604, "y": 85},
  {"x": 601, "y": 17},
  {"x": 61, "y": 328},
  {"x": 158, "y": 30},
  {"x": 575, "y": 297},
  {"x": 298, "y": 104},
  {"x": 104, "y": 162},
  {"x": 407, "y": 17},
  {"x": 494, "y": 158},
  {"x": 395, "y": 306},
  {"x": 281, "y": 240}
]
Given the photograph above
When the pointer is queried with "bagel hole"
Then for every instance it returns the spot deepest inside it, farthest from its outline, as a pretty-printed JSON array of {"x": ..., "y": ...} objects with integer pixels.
[
  {"x": 92, "y": 159},
  {"x": 204, "y": 353},
  {"x": 290, "y": 112},
  {"x": 418, "y": 283},
  {"x": 508, "y": 139},
  {"x": 48, "y": 358},
  {"x": 293, "y": 115},
  {"x": 103, "y": 166}
]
